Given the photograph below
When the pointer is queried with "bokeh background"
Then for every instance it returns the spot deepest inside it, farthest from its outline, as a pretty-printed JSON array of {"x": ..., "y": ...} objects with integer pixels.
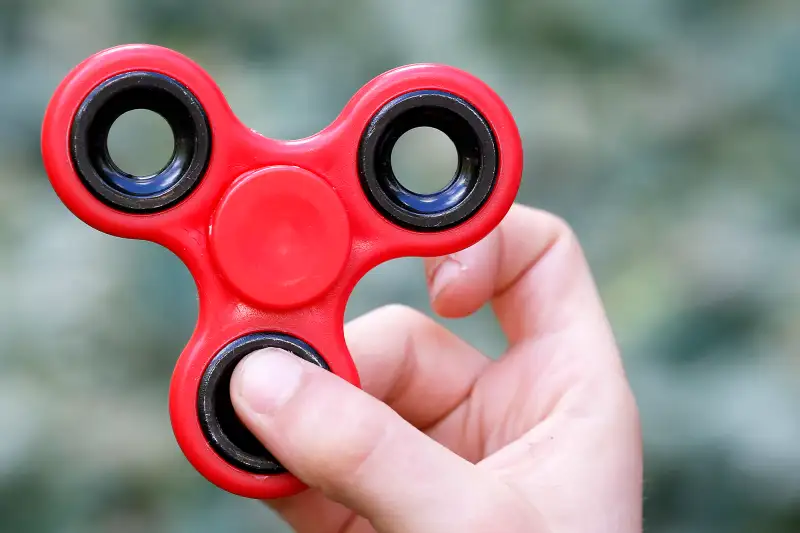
[{"x": 667, "y": 132}]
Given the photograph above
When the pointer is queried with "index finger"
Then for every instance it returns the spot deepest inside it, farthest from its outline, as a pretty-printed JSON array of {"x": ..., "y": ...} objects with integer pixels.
[{"x": 532, "y": 269}]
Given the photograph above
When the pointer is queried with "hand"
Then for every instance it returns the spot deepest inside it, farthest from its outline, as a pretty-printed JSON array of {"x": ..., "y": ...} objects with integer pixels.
[{"x": 443, "y": 439}]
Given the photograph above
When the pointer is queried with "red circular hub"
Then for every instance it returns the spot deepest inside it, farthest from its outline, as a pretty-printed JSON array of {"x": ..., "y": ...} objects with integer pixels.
[
  {"x": 280, "y": 236},
  {"x": 275, "y": 233}
]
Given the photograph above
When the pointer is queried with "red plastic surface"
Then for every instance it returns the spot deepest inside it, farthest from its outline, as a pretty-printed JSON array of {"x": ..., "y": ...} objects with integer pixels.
[{"x": 277, "y": 233}]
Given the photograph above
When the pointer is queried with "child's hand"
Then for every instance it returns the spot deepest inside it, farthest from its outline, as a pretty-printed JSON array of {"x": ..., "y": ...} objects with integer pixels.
[{"x": 546, "y": 439}]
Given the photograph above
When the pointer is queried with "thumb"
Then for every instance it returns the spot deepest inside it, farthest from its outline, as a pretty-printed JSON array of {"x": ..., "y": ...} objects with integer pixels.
[{"x": 359, "y": 452}]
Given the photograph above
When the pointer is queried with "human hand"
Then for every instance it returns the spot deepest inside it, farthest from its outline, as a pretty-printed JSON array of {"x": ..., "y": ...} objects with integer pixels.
[{"x": 443, "y": 439}]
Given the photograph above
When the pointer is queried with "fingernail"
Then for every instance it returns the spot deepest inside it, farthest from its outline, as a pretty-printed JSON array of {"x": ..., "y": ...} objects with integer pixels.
[
  {"x": 433, "y": 265},
  {"x": 447, "y": 271},
  {"x": 267, "y": 379}
]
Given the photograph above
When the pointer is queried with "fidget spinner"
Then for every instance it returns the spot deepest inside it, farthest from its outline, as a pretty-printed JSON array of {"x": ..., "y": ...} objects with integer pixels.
[{"x": 275, "y": 233}]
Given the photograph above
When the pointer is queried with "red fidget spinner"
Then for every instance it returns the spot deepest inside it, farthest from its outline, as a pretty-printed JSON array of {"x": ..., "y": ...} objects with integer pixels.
[{"x": 275, "y": 233}]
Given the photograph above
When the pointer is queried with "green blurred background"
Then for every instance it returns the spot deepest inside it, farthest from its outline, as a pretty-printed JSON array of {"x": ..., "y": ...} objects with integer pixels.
[{"x": 666, "y": 131}]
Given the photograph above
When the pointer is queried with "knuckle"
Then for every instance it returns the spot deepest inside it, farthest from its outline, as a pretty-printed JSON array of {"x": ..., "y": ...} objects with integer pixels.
[
  {"x": 565, "y": 242},
  {"x": 396, "y": 316},
  {"x": 557, "y": 226},
  {"x": 562, "y": 230},
  {"x": 358, "y": 448},
  {"x": 393, "y": 319},
  {"x": 339, "y": 435},
  {"x": 399, "y": 314},
  {"x": 368, "y": 450}
]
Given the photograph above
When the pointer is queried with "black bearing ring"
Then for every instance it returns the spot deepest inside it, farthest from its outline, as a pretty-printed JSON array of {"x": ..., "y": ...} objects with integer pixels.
[
  {"x": 115, "y": 97},
  {"x": 477, "y": 160},
  {"x": 222, "y": 428}
]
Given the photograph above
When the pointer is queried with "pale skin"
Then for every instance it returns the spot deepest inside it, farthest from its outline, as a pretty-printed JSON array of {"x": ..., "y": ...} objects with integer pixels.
[{"x": 444, "y": 439}]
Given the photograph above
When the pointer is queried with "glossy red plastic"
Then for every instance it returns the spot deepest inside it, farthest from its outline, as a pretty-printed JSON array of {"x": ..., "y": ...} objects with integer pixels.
[{"x": 277, "y": 233}]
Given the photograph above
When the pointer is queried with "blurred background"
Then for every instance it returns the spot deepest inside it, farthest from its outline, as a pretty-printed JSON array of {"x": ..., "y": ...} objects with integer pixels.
[{"x": 667, "y": 132}]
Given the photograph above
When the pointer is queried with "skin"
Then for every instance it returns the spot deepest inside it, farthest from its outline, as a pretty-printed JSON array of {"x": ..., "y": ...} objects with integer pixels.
[{"x": 443, "y": 439}]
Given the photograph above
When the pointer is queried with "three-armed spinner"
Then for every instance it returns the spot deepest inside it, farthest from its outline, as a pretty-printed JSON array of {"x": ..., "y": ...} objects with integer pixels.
[{"x": 275, "y": 233}]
